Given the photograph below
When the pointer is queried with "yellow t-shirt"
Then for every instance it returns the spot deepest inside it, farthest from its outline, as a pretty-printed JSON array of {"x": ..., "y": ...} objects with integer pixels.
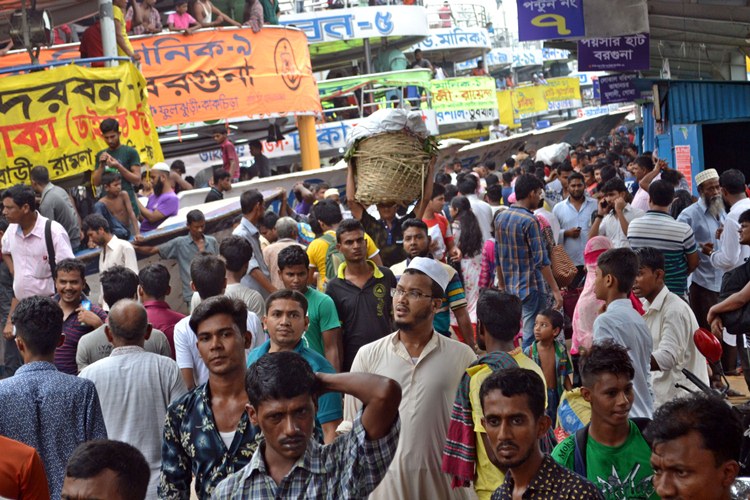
[
  {"x": 489, "y": 478},
  {"x": 317, "y": 250},
  {"x": 120, "y": 17}
]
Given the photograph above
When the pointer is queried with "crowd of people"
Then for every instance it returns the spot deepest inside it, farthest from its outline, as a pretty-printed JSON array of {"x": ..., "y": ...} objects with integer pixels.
[{"x": 337, "y": 350}]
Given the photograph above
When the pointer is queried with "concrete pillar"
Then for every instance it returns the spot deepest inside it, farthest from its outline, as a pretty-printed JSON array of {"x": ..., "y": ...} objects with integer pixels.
[
  {"x": 107, "y": 25},
  {"x": 308, "y": 141}
]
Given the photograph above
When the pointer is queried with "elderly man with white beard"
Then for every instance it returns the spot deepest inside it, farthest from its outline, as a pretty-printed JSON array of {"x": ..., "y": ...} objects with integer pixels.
[{"x": 706, "y": 217}]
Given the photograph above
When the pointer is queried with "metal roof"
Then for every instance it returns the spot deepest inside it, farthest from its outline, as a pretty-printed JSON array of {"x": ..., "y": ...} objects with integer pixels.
[{"x": 686, "y": 102}]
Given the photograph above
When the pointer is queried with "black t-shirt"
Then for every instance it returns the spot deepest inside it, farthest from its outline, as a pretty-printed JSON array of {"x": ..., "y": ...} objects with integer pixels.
[{"x": 366, "y": 313}]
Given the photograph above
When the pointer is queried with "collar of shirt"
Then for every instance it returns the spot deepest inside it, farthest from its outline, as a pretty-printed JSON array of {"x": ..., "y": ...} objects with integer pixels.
[
  {"x": 619, "y": 304},
  {"x": 112, "y": 243},
  {"x": 658, "y": 302},
  {"x": 156, "y": 304},
  {"x": 126, "y": 349},
  {"x": 543, "y": 480},
  {"x": 46, "y": 190},
  {"x": 248, "y": 226},
  {"x": 307, "y": 461},
  {"x": 376, "y": 272},
  {"x": 586, "y": 201},
  {"x": 36, "y": 366},
  {"x": 400, "y": 349},
  {"x": 37, "y": 230}
]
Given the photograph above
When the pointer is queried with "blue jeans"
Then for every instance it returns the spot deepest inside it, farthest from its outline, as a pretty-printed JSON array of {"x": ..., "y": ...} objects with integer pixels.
[{"x": 530, "y": 307}]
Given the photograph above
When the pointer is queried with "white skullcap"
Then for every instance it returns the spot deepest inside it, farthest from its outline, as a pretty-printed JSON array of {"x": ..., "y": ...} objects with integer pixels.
[
  {"x": 706, "y": 175},
  {"x": 431, "y": 268}
]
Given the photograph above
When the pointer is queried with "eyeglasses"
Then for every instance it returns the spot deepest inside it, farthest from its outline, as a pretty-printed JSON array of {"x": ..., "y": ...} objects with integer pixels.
[{"x": 411, "y": 294}]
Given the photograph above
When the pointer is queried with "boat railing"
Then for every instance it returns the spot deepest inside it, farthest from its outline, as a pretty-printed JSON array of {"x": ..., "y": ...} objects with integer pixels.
[
  {"x": 373, "y": 99},
  {"x": 28, "y": 68},
  {"x": 464, "y": 15}
]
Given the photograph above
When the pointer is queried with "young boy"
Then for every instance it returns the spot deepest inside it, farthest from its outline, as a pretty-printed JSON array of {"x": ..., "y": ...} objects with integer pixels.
[
  {"x": 443, "y": 243},
  {"x": 181, "y": 20},
  {"x": 610, "y": 451},
  {"x": 615, "y": 275},
  {"x": 115, "y": 206},
  {"x": 552, "y": 357}
]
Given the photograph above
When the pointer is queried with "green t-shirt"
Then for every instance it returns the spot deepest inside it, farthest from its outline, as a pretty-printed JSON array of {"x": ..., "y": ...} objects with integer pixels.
[
  {"x": 128, "y": 157},
  {"x": 323, "y": 316},
  {"x": 620, "y": 472}
]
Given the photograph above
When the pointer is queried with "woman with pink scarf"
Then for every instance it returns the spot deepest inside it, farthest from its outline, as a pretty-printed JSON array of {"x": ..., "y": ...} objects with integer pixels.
[{"x": 588, "y": 306}]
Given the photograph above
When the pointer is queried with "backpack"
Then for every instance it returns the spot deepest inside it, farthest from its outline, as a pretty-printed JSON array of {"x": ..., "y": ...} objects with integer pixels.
[
  {"x": 582, "y": 437},
  {"x": 334, "y": 258}
]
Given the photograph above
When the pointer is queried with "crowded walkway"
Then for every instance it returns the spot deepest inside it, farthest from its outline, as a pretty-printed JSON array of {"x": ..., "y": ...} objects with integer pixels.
[{"x": 457, "y": 348}]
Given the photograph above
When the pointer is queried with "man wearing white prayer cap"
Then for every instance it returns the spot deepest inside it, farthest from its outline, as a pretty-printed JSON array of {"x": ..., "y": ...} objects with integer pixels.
[
  {"x": 706, "y": 217},
  {"x": 428, "y": 366}
]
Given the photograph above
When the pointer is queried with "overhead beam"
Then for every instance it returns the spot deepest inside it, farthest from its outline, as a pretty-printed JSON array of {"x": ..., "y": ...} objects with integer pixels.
[{"x": 699, "y": 12}]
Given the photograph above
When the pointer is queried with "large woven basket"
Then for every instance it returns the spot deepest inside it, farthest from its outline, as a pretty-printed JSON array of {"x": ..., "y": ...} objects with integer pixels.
[{"x": 390, "y": 168}]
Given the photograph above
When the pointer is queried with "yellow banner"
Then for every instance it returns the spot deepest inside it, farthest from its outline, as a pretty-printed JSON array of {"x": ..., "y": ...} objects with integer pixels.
[
  {"x": 52, "y": 118},
  {"x": 531, "y": 100},
  {"x": 454, "y": 94}
]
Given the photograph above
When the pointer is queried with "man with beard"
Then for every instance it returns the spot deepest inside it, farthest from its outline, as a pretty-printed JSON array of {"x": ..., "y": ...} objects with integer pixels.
[
  {"x": 117, "y": 158},
  {"x": 428, "y": 366},
  {"x": 161, "y": 205},
  {"x": 728, "y": 253},
  {"x": 574, "y": 215},
  {"x": 417, "y": 244},
  {"x": 513, "y": 415},
  {"x": 706, "y": 217}
]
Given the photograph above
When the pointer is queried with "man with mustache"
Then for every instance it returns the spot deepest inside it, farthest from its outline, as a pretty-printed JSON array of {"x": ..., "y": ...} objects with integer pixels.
[
  {"x": 285, "y": 321},
  {"x": 428, "y": 366},
  {"x": 706, "y": 217},
  {"x": 163, "y": 203},
  {"x": 513, "y": 416}
]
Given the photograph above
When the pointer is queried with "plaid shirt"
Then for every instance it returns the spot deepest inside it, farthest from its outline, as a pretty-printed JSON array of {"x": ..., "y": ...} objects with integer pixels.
[
  {"x": 521, "y": 251},
  {"x": 350, "y": 467},
  {"x": 563, "y": 365}
]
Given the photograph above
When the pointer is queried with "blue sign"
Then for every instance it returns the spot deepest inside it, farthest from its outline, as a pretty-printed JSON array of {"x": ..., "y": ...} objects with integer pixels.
[
  {"x": 630, "y": 52},
  {"x": 550, "y": 19},
  {"x": 543, "y": 124},
  {"x": 597, "y": 89}
]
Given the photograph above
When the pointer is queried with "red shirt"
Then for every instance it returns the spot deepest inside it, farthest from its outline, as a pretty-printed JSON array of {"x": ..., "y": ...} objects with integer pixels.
[
  {"x": 163, "y": 318},
  {"x": 440, "y": 220},
  {"x": 228, "y": 154}
]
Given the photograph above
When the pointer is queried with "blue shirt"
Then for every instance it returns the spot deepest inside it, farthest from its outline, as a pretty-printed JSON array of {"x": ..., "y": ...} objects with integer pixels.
[
  {"x": 570, "y": 218},
  {"x": 52, "y": 412},
  {"x": 521, "y": 250},
  {"x": 247, "y": 230},
  {"x": 329, "y": 404},
  {"x": 704, "y": 227},
  {"x": 621, "y": 323}
]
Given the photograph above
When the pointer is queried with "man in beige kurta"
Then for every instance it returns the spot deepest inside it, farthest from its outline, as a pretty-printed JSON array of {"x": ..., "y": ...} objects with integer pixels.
[{"x": 429, "y": 367}]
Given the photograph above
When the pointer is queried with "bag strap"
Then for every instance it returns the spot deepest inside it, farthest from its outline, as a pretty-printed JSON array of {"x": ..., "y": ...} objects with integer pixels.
[
  {"x": 581, "y": 439},
  {"x": 50, "y": 246}
]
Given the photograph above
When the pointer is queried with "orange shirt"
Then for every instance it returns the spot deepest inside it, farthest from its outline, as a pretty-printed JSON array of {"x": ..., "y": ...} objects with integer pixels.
[{"x": 21, "y": 471}]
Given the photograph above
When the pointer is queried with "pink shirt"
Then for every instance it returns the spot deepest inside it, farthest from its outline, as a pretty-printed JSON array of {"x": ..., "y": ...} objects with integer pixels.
[
  {"x": 181, "y": 21},
  {"x": 32, "y": 274}
]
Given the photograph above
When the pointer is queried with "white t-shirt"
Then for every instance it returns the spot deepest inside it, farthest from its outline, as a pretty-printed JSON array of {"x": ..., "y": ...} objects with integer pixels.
[{"x": 186, "y": 346}]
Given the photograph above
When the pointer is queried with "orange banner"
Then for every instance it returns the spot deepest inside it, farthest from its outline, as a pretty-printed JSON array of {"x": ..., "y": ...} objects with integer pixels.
[{"x": 216, "y": 74}]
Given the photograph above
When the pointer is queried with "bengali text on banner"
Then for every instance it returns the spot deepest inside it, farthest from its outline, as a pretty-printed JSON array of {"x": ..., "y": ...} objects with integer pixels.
[
  {"x": 52, "y": 118},
  {"x": 218, "y": 74}
]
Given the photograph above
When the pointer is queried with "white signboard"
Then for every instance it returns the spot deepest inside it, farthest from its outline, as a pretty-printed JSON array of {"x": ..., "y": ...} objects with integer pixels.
[
  {"x": 455, "y": 38},
  {"x": 360, "y": 22}
]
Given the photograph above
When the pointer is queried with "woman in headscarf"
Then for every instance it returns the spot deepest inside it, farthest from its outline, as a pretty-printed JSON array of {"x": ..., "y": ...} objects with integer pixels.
[{"x": 588, "y": 306}]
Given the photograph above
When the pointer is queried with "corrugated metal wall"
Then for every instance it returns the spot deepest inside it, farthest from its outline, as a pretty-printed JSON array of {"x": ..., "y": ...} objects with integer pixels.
[{"x": 700, "y": 102}]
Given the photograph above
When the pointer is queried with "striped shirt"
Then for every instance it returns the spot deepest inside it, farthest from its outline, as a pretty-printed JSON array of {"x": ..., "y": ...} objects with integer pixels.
[
  {"x": 674, "y": 239},
  {"x": 521, "y": 251}
]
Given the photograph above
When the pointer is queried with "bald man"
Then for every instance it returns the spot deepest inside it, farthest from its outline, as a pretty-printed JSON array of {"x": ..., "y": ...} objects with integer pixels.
[{"x": 135, "y": 386}]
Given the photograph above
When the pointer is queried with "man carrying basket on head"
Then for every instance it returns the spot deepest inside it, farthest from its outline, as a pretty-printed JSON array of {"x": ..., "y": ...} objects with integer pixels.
[{"x": 391, "y": 163}]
